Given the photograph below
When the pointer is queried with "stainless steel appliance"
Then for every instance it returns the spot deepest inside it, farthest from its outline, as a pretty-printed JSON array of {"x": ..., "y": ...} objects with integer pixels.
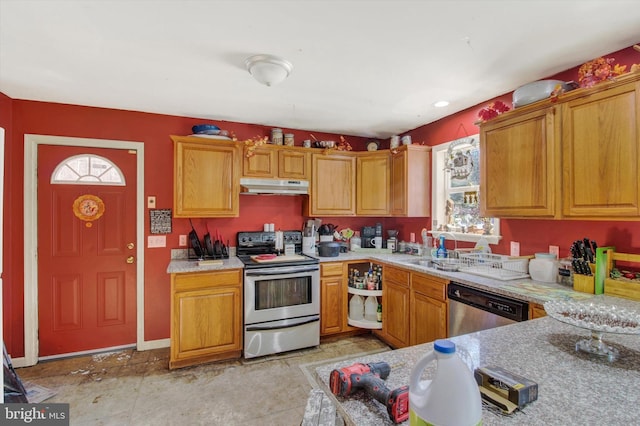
[
  {"x": 471, "y": 309},
  {"x": 281, "y": 295}
]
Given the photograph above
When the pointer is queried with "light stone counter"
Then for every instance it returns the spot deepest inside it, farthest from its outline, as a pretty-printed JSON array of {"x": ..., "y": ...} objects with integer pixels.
[
  {"x": 522, "y": 289},
  {"x": 573, "y": 387},
  {"x": 177, "y": 266}
]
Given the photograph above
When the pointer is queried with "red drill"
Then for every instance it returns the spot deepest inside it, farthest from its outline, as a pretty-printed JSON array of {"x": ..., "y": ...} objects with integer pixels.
[{"x": 370, "y": 377}]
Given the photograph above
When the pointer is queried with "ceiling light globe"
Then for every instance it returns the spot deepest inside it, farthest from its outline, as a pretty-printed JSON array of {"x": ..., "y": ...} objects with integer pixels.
[{"x": 268, "y": 69}]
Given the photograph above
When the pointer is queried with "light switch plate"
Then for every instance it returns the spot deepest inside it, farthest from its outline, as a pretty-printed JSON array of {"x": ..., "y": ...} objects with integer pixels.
[
  {"x": 156, "y": 241},
  {"x": 515, "y": 248},
  {"x": 555, "y": 250},
  {"x": 151, "y": 202},
  {"x": 182, "y": 242}
]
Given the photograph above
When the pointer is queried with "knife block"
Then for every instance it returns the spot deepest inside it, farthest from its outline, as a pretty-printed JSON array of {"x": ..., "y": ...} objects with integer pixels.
[{"x": 585, "y": 283}]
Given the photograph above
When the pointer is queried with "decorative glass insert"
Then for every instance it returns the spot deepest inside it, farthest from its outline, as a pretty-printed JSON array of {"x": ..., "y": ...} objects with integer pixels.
[{"x": 87, "y": 169}]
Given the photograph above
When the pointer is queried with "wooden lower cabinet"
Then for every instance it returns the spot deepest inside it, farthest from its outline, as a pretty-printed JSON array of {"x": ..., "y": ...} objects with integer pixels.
[
  {"x": 395, "y": 307},
  {"x": 536, "y": 311},
  {"x": 333, "y": 316},
  {"x": 206, "y": 317},
  {"x": 428, "y": 308}
]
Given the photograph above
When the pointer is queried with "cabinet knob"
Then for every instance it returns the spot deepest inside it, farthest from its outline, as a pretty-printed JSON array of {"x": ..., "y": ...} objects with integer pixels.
[{"x": 130, "y": 259}]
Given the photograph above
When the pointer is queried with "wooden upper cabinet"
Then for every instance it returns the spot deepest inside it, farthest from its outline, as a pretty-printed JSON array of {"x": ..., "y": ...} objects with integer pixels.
[
  {"x": 410, "y": 181},
  {"x": 278, "y": 162},
  {"x": 294, "y": 164},
  {"x": 601, "y": 158},
  {"x": 333, "y": 180},
  {"x": 519, "y": 165},
  {"x": 373, "y": 184},
  {"x": 206, "y": 178}
]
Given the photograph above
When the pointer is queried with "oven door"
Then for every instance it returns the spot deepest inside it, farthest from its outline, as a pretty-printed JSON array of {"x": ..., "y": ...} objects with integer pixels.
[{"x": 280, "y": 293}]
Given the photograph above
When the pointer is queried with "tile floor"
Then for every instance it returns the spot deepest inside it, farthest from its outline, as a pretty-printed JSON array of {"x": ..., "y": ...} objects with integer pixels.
[{"x": 136, "y": 388}]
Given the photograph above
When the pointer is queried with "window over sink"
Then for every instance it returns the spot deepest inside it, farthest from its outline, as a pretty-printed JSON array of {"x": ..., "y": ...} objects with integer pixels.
[{"x": 456, "y": 192}]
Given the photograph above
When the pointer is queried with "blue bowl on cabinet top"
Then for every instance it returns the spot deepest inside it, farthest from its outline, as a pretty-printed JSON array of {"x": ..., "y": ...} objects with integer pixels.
[{"x": 205, "y": 129}]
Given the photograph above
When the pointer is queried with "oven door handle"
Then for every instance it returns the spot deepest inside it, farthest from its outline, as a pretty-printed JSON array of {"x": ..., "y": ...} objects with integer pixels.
[
  {"x": 288, "y": 324},
  {"x": 280, "y": 271}
]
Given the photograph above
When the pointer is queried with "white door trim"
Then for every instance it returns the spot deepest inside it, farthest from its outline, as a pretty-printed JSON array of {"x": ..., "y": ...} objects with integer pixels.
[{"x": 31, "y": 143}]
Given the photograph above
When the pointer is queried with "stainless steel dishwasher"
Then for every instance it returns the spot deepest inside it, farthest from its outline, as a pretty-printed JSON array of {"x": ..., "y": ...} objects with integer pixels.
[{"x": 471, "y": 309}]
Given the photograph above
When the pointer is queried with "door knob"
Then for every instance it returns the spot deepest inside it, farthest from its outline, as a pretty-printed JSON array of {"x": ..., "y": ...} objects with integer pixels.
[
  {"x": 130, "y": 246},
  {"x": 130, "y": 259}
]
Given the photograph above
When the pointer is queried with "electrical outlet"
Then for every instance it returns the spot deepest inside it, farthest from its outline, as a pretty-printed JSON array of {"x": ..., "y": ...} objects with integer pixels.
[
  {"x": 182, "y": 241},
  {"x": 515, "y": 248},
  {"x": 555, "y": 250},
  {"x": 156, "y": 241},
  {"x": 151, "y": 202}
]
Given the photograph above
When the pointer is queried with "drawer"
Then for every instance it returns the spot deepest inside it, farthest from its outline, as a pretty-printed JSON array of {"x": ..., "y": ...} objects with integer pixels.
[
  {"x": 398, "y": 276},
  {"x": 430, "y": 286},
  {"x": 200, "y": 280},
  {"x": 331, "y": 269}
]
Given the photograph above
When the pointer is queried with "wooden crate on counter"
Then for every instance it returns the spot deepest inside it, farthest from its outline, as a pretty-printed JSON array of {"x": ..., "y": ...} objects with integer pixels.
[{"x": 620, "y": 287}]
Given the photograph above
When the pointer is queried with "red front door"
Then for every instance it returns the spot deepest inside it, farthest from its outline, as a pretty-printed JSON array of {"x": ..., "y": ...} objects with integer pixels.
[{"x": 86, "y": 239}]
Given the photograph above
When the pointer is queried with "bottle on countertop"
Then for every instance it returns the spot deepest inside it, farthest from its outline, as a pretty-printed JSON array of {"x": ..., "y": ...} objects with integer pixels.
[
  {"x": 442, "y": 250},
  {"x": 453, "y": 386}
]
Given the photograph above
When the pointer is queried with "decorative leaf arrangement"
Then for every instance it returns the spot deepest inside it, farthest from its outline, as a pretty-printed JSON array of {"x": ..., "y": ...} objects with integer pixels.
[
  {"x": 597, "y": 70},
  {"x": 253, "y": 143},
  {"x": 493, "y": 110}
]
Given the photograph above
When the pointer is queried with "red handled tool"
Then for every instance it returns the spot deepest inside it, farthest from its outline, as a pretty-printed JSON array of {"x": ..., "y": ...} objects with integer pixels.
[{"x": 370, "y": 377}]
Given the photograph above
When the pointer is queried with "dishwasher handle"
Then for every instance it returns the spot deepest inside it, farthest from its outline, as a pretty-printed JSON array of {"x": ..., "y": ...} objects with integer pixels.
[{"x": 516, "y": 310}]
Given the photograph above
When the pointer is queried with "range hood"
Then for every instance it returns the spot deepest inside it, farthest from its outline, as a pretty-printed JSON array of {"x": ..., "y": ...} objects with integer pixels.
[{"x": 274, "y": 186}]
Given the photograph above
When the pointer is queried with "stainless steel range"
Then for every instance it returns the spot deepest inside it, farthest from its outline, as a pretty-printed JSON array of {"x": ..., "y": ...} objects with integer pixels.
[{"x": 281, "y": 294}]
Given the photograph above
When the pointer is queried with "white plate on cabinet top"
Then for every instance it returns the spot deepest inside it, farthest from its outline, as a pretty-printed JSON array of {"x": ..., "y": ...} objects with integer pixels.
[{"x": 219, "y": 137}]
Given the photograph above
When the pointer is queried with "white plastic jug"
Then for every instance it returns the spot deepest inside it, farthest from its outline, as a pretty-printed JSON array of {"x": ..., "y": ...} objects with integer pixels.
[
  {"x": 356, "y": 307},
  {"x": 451, "y": 398},
  {"x": 371, "y": 308}
]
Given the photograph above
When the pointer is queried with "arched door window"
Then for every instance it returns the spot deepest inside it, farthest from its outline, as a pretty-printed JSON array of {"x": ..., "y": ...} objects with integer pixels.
[{"x": 87, "y": 169}]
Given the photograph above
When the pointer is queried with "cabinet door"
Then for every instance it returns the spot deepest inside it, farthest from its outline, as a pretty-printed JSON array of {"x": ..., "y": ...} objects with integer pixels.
[
  {"x": 206, "y": 317},
  {"x": 428, "y": 319},
  {"x": 410, "y": 181},
  {"x": 373, "y": 184},
  {"x": 519, "y": 166},
  {"x": 395, "y": 314},
  {"x": 332, "y": 185},
  {"x": 294, "y": 164},
  {"x": 331, "y": 309},
  {"x": 601, "y": 163},
  {"x": 262, "y": 164},
  {"x": 206, "y": 179},
  {"x": 536, "y": 311}
]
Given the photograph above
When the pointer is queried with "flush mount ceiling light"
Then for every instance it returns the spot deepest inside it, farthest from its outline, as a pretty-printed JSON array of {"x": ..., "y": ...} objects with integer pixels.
[
  {"x": 441, "y": 104},
  {"x": 268, "y": 69}
]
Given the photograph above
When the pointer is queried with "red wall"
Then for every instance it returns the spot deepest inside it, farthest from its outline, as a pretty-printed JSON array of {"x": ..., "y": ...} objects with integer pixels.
[
  {"x": 19, "y": 117},
  {"x": 27, "y": 117}
]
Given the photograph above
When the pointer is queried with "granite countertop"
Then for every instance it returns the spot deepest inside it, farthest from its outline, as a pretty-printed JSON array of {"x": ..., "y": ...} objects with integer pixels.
[
  {"x": 573, "y": 387},
  {"x": 523, "y": 289}
]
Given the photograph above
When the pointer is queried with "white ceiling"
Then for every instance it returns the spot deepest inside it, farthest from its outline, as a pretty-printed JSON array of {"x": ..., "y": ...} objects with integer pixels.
[{"x": 367, "y": 68}]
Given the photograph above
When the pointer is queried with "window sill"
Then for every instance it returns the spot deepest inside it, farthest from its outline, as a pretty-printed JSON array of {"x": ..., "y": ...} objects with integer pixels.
[{"x": 461, "y": 236}]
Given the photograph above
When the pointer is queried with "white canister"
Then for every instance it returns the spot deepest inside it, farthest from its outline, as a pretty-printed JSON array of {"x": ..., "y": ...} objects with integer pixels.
[
  {"x": 544, "y": 268},
  {"x": 309, "y": 245},
  {"x": 276, "y": 136},
  {"x": 394, "y": 142}
]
